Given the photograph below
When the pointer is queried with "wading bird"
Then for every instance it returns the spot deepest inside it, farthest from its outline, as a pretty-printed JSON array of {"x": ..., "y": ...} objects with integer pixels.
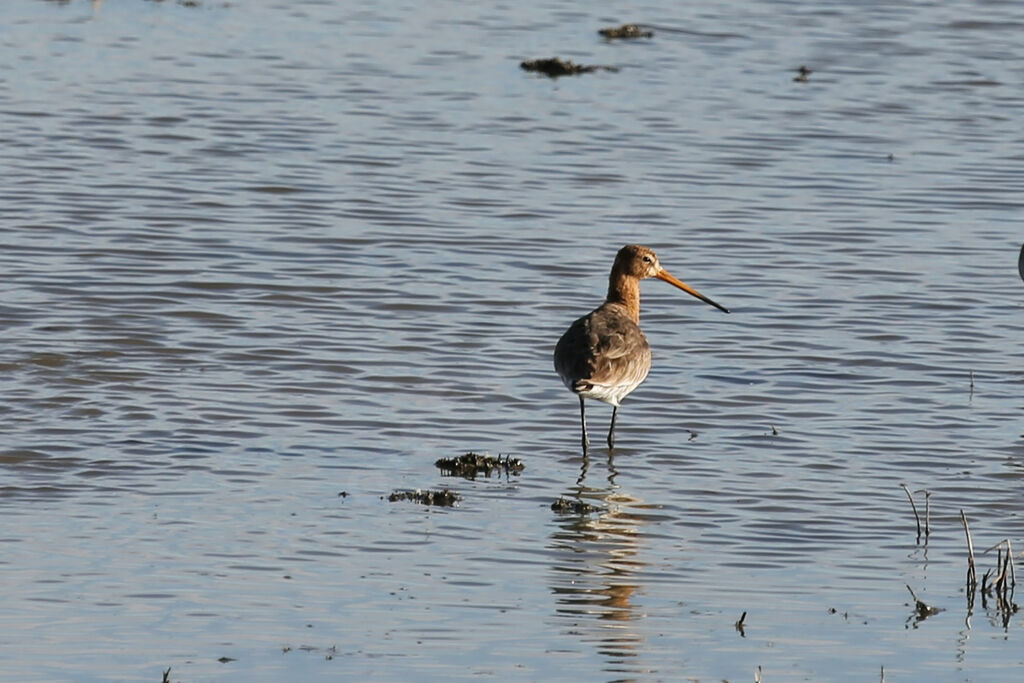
[{"x": 604, "y": 355}]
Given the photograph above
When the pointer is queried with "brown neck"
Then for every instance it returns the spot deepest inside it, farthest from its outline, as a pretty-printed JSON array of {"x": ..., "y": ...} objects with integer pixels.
[{"x": 625, "y": 289}]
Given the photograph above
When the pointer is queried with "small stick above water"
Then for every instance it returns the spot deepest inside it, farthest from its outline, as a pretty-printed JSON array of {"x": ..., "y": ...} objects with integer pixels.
[
  {"x": 1009, "y": 558},
  {"x": 927, "y": 514},
  {"x": 1005, "y": 565},
  {"x": 917, "y": 518},
  {"x": 972, "y": 574}
]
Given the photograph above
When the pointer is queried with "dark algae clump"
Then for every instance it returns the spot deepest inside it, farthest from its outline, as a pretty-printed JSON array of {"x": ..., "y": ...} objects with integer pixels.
[
  {"x": 471, "y": 464},
  {"x": 555, "y": 67},
  {"x": 573, "y": 507},
  {"x": 626, "y": 32},
  {"x": 443, "y": 498}
]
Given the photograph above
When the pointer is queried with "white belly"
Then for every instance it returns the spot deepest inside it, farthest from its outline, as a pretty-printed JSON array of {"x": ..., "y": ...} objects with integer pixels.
[{"x": 614, "y": 392}]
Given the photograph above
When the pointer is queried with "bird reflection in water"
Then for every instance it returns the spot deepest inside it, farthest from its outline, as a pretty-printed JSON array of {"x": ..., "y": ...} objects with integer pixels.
[{"x": 596, "y": 568}]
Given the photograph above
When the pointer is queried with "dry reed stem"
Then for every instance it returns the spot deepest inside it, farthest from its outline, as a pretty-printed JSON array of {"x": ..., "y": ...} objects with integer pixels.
[
  {"x": 1004, "y": 564},
  {"x": 927, "y": 514},
  {"x": 917, "y": 518},
  {"x": 972, "y": 573},
  {"x": 1010, "y": 561}
]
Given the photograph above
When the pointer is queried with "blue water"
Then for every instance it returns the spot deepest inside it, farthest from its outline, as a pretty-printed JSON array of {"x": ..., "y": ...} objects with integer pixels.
[{"x": 266, "y": 262}]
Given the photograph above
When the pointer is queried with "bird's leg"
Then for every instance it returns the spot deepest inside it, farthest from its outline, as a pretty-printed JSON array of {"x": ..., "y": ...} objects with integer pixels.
[
  {"x": 583, "y": 426},
  {"x": 611, "y": 429}
]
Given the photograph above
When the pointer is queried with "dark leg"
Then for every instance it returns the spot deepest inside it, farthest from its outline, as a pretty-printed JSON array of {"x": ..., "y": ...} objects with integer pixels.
[
  {"x": 583, "y": 426},
  {"x": 611, "y": 429}
]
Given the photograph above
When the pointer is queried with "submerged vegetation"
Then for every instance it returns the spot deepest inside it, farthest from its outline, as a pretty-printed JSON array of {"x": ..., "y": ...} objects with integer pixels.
[
  {"x": 626, "y": 31},
  {"x": 443, "y": 498},
  {"x": 555, "y": 67},
  {"x": 573, "y": 507},
  {"x": 470, "y": 464}
]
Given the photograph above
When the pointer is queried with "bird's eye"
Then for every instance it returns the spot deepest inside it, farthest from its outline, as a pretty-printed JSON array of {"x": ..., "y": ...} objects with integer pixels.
[{"x": 647, "y": 259}]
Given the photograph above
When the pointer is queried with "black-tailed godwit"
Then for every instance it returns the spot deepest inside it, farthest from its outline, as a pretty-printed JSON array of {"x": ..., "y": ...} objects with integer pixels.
[{"x": 605, "y": 355}]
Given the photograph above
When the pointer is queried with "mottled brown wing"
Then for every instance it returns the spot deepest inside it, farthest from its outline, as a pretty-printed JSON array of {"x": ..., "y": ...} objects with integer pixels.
[
  {"x": 621, "y": 352},
  {"x": 605, "y": 347}
]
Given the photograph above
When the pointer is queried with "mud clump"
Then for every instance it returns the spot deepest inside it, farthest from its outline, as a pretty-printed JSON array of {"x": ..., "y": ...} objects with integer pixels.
[
  {"x": 443, "y": 498},
  {"x": 573, "y": 507},
  {"x": 555, "y": 67},
  {"x": 471, "y": 464},
  {"x": 626, "y": 32}
]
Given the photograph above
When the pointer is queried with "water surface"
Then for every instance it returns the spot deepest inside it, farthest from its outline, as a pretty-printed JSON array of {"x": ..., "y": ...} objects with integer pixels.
[{"x": 266, "y": 262}]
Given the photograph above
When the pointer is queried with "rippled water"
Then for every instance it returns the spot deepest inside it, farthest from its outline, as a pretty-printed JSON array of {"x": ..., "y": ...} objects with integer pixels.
[{"x": 266, "y": 262}]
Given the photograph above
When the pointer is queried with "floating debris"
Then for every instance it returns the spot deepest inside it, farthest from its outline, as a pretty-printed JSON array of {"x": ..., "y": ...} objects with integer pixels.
[
  {"x": 801, "y": 74},
  {"x": 555, "y": 67},
  {"x": 626, "y": 31},
  {"x": 575, "y": 507},
  {"x": 444, "y": 497},
  {"x": 472, "y": 464},
  {"x": 922, "y": 610}
]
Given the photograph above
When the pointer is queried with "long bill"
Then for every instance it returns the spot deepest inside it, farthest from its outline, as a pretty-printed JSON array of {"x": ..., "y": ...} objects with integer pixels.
[{"x": 663, "y": 275}]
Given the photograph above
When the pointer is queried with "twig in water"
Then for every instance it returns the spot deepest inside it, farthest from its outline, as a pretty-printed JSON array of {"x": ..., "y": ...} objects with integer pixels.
[
  {"x": 739, "y": 624},
  {"x": 1004, "y": 565},
  {"x": 1000, "y": 582},
  {"x": 917, "y": 518},
  {"x": 1010, "y": 560},
  {"x": 1001, "y": 587},
  {"x": 972, "y": 573},
  {"x": 924, "y": 610},
  {"x": 927, "y": 514}
]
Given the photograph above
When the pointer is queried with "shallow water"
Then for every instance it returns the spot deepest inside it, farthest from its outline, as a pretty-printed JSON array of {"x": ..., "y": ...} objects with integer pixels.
[{"x": 266, "y": 262}]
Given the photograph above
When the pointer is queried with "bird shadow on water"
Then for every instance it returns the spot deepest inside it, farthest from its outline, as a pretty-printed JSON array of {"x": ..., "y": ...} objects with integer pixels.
[{"x": 596, "y": 568}]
